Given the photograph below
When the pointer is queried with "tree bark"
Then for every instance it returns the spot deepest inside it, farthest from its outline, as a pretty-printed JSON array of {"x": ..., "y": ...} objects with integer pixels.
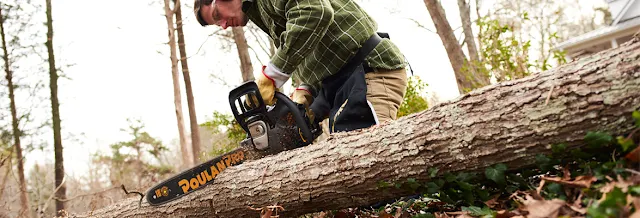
[
  {"x": 55, "y": 110},
  {"x": 465, "y": 82},
  {"x": 465, "y": 17},
  {"x": 177, "y": 98},
  {"x": 24, "y": 200},
  {"x": 243, "y": 52},
  {"x": 509, "y": 122},
  {"x": 193, "y": 120}
]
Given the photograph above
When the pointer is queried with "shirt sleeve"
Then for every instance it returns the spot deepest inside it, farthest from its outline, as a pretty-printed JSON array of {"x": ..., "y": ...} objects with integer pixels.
[{"x": 307, "y": 22}]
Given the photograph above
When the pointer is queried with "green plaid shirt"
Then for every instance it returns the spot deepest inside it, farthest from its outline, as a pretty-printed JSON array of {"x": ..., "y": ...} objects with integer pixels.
[{"x": 316, "y": 37}]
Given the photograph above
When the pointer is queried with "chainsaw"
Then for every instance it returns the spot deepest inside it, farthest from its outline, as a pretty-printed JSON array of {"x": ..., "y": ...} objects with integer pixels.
[{"x": 270, "y": 129}]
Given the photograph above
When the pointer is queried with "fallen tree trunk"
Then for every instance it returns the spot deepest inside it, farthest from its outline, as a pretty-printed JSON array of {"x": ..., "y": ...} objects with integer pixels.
[{"x": 507, "y": 123}]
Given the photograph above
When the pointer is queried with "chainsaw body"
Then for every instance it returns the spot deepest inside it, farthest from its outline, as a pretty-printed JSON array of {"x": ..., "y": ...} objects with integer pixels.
[{"x": 271, "y": 128}]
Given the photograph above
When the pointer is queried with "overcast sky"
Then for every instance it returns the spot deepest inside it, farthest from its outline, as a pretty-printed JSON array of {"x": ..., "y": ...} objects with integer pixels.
[{"x": 122, "y": 68}]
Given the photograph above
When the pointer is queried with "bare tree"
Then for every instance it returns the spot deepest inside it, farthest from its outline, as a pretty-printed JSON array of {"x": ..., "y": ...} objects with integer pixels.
[
  {"x": 176, "y": 85},
  {"x": 243, "y": 53},
  {"x": 469, "y": 39},
  {"x": 464, "y": 135},
  {"x": 55, "y": 109},
  {"x": 24, "y": 201},
  {"x": 193, "y": 120},
  {"x": 465, "y": 81}
]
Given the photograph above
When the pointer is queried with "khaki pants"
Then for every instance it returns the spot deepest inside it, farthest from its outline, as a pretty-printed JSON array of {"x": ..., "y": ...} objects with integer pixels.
[{"x": 385, "y": 91}]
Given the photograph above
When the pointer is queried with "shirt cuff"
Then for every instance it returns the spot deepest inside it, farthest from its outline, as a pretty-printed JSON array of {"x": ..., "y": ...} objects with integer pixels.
[
  {"x": 278, "y": 77},
  {"x": 307, "y": 88}
]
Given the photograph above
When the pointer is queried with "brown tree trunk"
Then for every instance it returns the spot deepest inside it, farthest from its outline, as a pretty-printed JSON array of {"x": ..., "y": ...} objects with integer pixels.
[
  {"x": 509, "y": 122},
  {"x": 480, "y": 55},
  {"x": 465, "y": 81},
  {"x": 469, "y": 39},
  {"x": 243, "y": 52},
  {"x": 177, "y": 98},
  {"x": 55, "y": 109},
  {"x": 24, "y": 200},
  {"x": 193, "y": 120}
]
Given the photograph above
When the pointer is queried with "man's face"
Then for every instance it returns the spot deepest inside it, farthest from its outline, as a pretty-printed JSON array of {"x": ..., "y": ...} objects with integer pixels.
[{"x": 224, "y": 13}]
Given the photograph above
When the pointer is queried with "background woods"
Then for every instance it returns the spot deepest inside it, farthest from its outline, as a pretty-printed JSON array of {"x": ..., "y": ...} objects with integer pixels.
[{"x": 91, "y": 102}]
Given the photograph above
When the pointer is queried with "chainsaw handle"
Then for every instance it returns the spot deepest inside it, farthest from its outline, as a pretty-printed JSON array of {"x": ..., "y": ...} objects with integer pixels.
[
  {"x": 242, "y": 112},
  {"x": 301, "y": 123}
]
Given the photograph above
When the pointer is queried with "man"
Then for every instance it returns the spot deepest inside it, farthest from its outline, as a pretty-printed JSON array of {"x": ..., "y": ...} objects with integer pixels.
[{"x": 347, "y": 72}]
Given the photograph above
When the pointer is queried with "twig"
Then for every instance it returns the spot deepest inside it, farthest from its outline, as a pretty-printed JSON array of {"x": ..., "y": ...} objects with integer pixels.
[
  {"x": 549, "y": 95},
  {"x": 421, "y": 26},
  {"x": 46, "y": 204},
  {"x": 134, "y": 192},
  {"x": 632, "y": 171},
  {"x": 82, "y": 195}
]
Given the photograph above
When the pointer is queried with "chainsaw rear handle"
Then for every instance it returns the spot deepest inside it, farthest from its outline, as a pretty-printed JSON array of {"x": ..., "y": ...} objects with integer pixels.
[{"x": 247, "y": 114}]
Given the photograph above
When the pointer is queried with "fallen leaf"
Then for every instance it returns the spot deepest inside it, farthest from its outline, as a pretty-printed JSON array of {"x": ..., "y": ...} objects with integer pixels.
[
  {"x": 342, "y": 214},
  {"x": 634, "y": 156},
  {"x": 580, "y": 181},
  {"x": 540, "y": 186},
  {"x": 321, "y": 215},
  {"x": 620, "y": 183},
  {"x": 266, "y": 213},
  {"x": 543, "y": 208},
  {"x": 505, "y": 214},
  {"x": 577, "y": 209},
  {"x": 456, "y": 213},
  {"x": 491, "y": 203},
  {"x": 398, "y": 212},
  {"x": 441, "y": 215}
]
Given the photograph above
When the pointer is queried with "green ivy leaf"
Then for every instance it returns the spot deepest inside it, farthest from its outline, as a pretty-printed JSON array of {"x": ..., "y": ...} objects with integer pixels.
[
  {"x": 544, "y": 162},
  {"x": 383, "y": 184},
  {"x": 413, "y": 184},
  {"x": 496, "y": 173},
  {"x": 483, "y": 194},
  {"x": 445, "y": 198},
  {"x": 464, "y": 176},
  {"x": 477, "y": 211},
  {"x": 579, "y": 154},
  {"x": 433, "y": 172},
  {"x": 636, "y": 116},
  {"x": 557, "y": 190},
  {"x": 625, "y": 143},
  {"x": 449, "y": 177},
  {"x": 465, "y": 186},
  {"x": 559, "y": 148},
  {"x": 615, "y": 198},
  {"x": 635, "y": 190},
  {"x": 597, "y": 139},
  {"x": 425, "y": 215},
  {"x": 432, "y": 188}
]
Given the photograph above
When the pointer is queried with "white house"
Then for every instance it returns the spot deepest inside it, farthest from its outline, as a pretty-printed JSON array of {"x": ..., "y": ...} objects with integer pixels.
[{"x": 625, "y": 22}]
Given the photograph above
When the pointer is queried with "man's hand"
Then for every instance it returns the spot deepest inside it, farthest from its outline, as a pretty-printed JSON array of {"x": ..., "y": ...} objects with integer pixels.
[
  {"x": 267, "y": 88},
  {"x": 303, "y": 96}
]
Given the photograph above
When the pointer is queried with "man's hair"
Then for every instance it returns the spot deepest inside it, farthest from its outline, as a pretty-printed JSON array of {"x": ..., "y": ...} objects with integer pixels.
[{"x": 197, "y": 5}]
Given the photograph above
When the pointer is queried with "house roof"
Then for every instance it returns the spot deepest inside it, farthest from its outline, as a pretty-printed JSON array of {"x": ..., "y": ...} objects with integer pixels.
[{"x": 598, "y": 33}]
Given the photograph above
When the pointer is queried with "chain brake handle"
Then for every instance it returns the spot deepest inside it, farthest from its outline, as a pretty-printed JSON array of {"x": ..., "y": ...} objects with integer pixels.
[{"x": 244, "y": 114}]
